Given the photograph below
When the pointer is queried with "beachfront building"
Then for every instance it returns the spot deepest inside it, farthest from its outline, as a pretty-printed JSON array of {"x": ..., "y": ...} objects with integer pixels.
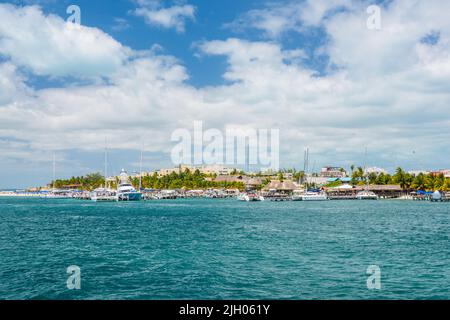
[
  {"x": 285, "y": 187},
  {"x": 347, "y": 191},
  {"x": 253, "y": 183}
]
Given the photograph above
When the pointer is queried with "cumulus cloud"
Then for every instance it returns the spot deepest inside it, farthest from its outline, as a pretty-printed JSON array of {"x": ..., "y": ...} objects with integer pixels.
[
  {"x": 12, "y": 85},
  {"x": 47, "y": 45},
  {"x": 172, "y": 17},
  {"x": 275, "y": 19}
]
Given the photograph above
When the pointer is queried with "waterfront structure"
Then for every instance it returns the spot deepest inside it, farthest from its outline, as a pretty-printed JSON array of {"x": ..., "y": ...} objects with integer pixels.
[
  {"x": 287, "y": 186},
  {"x": 349, "y": 192},
  {"x": 253, "y": 183}
]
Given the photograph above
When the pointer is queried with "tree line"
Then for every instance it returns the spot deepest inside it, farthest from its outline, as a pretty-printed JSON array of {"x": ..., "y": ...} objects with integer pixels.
[
  {"x": 407, "y": 181},
  {"x": 197, "y": 180},
  {"x": 186, "y": 179}
]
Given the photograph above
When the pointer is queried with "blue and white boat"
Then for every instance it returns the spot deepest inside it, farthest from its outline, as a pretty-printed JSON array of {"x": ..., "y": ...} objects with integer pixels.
[{"x": 125, "y": 191}]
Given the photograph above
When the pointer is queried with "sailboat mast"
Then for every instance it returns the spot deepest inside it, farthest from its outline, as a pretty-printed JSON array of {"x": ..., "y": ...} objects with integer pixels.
[
  {"x": 54, "y": 171},
  {"x": 365, "y": 169},
  {"x": 140, "y": 170},
  {"x": 106, "y": 165},
  {"x": 305, "y": 167}
]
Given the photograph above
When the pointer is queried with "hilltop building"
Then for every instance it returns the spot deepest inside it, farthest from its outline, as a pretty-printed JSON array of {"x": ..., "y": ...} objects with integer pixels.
[
  {"x": 332, "y": 172},
  {"x": 208, "y": 170}
]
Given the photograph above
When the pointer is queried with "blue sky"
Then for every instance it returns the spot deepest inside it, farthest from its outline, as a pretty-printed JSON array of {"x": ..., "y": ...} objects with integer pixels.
[
  {"x": 212, "y": 21},
  {"x": 136, "y": 70}
]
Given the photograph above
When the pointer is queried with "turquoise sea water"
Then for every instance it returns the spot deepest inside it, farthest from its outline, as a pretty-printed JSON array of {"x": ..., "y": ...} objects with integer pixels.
[{"x": 224, "y": 249}]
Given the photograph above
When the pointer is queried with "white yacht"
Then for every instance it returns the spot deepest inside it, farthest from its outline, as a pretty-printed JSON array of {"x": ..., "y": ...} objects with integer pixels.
[
  {"x": 315, "y": 196},
  {"x": 125, "y": 191}
]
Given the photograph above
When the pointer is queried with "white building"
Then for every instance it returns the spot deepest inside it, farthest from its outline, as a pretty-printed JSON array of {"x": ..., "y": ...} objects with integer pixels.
[
  {"x": 375, "y": 170},
  {"x": 208, "y": 170}
]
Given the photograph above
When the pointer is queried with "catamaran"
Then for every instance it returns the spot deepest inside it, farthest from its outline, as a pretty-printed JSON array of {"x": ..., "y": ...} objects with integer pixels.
[
  {"x": 366, "y": 195},
  {"x": 311, "y": 195},
  {"x": 250, "y": 197}
]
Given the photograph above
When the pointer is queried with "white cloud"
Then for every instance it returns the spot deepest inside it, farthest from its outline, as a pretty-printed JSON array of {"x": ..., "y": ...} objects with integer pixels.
[
  {"x": 12, "y": 85},
  {"x": 275, "y": 19},
  {"x": 172, "y": 17},
  {"x": 390, "y": 93},
  {"x": 47, "y": 45}
]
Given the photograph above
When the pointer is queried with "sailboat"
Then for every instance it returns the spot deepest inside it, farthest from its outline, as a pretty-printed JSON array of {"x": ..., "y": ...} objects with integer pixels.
[
  {"x": 366, "y": 194},
  {"x": 55, "y": 193},
  {"x": 104, "y": 194},
  {"x": 312, "y": 195}
]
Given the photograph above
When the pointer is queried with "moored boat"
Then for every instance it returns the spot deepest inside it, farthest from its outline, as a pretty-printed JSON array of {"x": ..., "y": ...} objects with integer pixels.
[
  {"x": 250, "y": 197},
  {"x": 315, "y": 196},
  {"x": 125, "y": 191},
  {"x": 366, "y": 195},
  {"x": 103, "y": 195}
]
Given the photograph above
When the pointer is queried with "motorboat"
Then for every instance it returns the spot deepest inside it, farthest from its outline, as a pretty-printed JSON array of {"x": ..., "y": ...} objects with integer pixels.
[
  {"x": 125, "y": 190},
  {"x": 250, "y": 197},
  {"x": 366, "y": 195}
]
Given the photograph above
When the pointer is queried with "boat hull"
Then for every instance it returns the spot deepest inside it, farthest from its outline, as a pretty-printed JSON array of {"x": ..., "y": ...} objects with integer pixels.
[{"x": 131, "y": 196}]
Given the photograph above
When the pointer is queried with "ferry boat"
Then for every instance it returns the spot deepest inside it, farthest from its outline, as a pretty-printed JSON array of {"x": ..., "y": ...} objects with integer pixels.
[{"x": 125, "y": 191}]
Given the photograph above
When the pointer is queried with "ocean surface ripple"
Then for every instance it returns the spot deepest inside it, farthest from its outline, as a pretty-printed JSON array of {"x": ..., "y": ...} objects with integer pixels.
[{"x": 224, "y": 249}]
